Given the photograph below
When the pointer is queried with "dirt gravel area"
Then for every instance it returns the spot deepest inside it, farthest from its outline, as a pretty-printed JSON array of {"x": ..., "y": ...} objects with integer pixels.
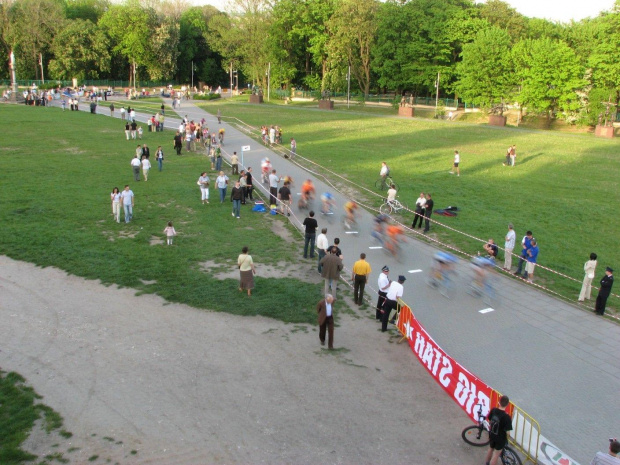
[{"x": 141, "y": 381}]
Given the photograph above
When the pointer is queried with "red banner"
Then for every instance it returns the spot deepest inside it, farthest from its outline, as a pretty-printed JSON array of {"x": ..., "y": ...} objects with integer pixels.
[{"x": 466, "y": 389}]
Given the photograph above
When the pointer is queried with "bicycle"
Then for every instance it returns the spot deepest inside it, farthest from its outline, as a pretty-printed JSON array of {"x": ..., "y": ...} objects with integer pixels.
[
  {"x": 384, "y": 184},
  {"x": 478, "y": 435},
  {"x": 392, "y": 206}
]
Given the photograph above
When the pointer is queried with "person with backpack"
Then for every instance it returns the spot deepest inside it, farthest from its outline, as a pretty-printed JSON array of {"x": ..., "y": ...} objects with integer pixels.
[{"x": 499, "y": 425}]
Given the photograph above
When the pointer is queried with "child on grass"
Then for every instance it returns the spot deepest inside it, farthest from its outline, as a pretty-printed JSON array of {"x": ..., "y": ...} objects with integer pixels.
[
  {"x": 140, "y": 132},
  {"x": 170, "y": 233}
]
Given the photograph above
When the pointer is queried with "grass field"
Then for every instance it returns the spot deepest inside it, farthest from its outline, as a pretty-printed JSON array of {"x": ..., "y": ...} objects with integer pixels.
[
  {"x": 56, "y": 211},
  {"x": 564, "y": 187},
  {"x": 19, "y": 410}
]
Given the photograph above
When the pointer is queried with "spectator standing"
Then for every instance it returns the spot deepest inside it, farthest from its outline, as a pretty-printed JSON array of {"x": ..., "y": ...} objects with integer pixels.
[
  {"x": 159, "y": 156},
  {"x": 218, "y": 158},
  {"x": 532, "y": 257},
  {"x": 383, "y": 284},
  {"x": 123, "y": 113},
  {"x": 170, "y": 233},
  {"x": 203, "y": 183},
  {"x": 222, "y": 184},
  {"x": 509, "y": 245},
  {"x": 603, "y": 293},
  {"x": 234, "y": 163},
  {"x": 609, "y": 458},
  {"x": 526, "y": 243},
  {"x": 322, "y": 245},
  {"x": 127, "y": 130},
  {"x": 310, "y": 224},
  {"x": 246, "y": 271},
  {"x": 111, "y": 109},
  {"x": 325, "y": 310},
  {"x": 178, "y": 143},
  {"x": 273, "y": 187},
  {"x": 244, "y": 186},
  {"x": 455, "y": 166},
  {"x": 394, "y": 292},
  {"x": 419, "y": 211},
  {"x": 236, "y": 194},
  {"x": 134, "y": 127},
  {"x": 499, "y": 425},
  {"x": 285, "y": 199},
  {"x": 135, "y": 166},
  {"x": 428, "y": 211},
  {"x": 513, "y": 155},
  {"x": 128, "y": 202},
  {"x": 331, "y": 267},
  {"x": 590, "y": 269},
  {"x": 249, "y": 180},
  {"x": 359, "y": 276},
  {"x": 293, "y": 147}
]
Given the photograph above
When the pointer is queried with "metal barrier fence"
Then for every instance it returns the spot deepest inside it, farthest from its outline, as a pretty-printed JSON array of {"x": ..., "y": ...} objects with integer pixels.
[{"x": 525, "y": 434}]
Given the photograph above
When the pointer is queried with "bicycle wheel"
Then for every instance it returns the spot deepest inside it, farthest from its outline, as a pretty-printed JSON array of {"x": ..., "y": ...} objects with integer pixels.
[
  {"x": 380, "y": 185},
  {"x": 401, "y": 207},
  {"x": 476, "y": 435},
  {"x": 385, "y": 209},
  {"x": 510, "y": 457}
]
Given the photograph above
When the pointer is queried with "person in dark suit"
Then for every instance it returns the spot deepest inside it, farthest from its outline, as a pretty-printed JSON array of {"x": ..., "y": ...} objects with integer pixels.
[
  {"x": 606, "y": 283},
  {"x": 325, "y": 310},
  {"x": 428, "y": 211}
]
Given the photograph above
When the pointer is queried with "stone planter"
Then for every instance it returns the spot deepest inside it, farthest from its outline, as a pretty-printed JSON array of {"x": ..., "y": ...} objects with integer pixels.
[
  {"x": 497, "y": 120},
  {"x": 256, "y": 98},
  {"x": 406, "y": 111},
  {"x": 326, "y": 104},
  {"x": 604, "y": 131}
]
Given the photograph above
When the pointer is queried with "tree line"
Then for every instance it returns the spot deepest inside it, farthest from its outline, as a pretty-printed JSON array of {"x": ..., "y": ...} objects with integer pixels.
[{"x": 487, "y": 54}]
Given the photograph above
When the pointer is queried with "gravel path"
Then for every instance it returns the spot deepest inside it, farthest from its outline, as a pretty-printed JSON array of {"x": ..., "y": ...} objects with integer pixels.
[{"x": 177, "y": 385}]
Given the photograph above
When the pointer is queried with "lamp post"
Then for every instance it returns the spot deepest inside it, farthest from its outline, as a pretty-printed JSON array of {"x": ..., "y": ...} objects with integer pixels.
[
  {"x": 348, "y": 86},
  {"x": 13, "y": 78},
  {"x": 192, "y": 74},
  {"x": 268, "y": 80},
  {"x": 437, "y": 93}
]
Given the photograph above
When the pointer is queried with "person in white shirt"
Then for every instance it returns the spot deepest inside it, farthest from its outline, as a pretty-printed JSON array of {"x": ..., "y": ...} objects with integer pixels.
[
  {"x": 273, "y": 187},
  {"x": 135, "y": 166},
  {"x": 509, "y": 246},
  {"x": 391, "y": 193},
  {"x": 383, "y": 284},
  {"x": 457, "y": 160},
  {"x": 394, "y": 292},
  {"x": 590, "y": 269},
  {"x": 322, "y": 244},
  {"x": 146, "y": 167},
  {"x": 609, "y": 458},
  {"x": 234, "y": 162},
  {"x": 127, "y": 197},
  {"x": 419, "y": 210}
]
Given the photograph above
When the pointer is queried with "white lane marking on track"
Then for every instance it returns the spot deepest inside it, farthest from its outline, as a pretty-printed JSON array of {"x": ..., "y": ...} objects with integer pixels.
[
  {"x": 414, "y": 271},
  {"x": 351, "y": 232},
  {"x": 372, "y": 248},
  {"x": 486, "y": 310}
]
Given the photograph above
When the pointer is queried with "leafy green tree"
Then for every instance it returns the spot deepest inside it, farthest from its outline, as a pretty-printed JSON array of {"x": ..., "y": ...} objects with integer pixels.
[
  {"x": 86, "y": 9},
  {"x": 240, "y": 38},
  {"x": 352, "y": 30},
  {"x": 143, "y": 38},
  {"x": 28, "y": 28},
  {"x": 80, "y": 51},
  {"x": 486, "y": 74},
  {"x": 416, "y": 40},
  {"x": 604, "y": 57},
  {"x": 503, "y": 16},
  {"x": 550, "y": 76}
]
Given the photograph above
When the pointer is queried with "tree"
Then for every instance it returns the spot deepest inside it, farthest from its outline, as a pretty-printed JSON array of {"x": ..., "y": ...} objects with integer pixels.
[
  {"x": 141, "y": 37},
  {"x": 80, "y": 51},
  {"x": 550, "y": 76},
  {"x": 503, "y": 16},
  {"x": 86, "y": 9},
  {"x": 240, "y": 37},
  {"x": 486, "y": 74},
  {"x": 604, "y": 59},
  {"x": 29, "y": 26},
  {"x": 352, "y": 27}
]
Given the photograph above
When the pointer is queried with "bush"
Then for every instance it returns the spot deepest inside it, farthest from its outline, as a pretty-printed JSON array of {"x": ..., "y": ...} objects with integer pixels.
[{"x": 206, "y": 96}]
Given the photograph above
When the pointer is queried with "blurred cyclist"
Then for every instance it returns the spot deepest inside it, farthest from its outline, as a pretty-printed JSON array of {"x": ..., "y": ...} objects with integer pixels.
[
  {"x": 328, "y": 202},
  {"x": 350, "y": 208},
  {"x": 395, "y": 235},
  {"x": 379, "y": 228}
]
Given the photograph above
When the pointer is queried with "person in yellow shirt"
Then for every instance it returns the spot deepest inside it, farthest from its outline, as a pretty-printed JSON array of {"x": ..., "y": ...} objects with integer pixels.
[{"x": 361, "y": 271}]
